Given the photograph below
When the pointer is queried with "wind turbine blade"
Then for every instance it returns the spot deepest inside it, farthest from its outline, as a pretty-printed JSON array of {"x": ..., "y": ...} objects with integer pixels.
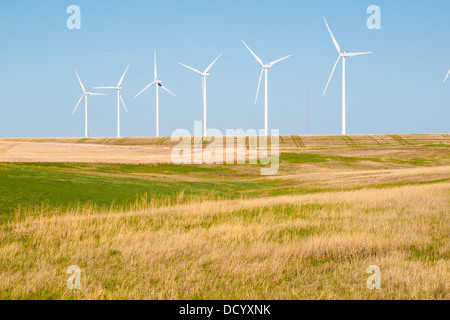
[
  {"x": 334, "y": 69},
  {"x": 212, "y": 64},
  {"x": 279, "y": 60},
  {"x": 147, "y": 87},
  {"x": 96, "y": 94},
  {"x": 164, "y": 88},
  {"x": 105, "y": 88},
  {"x": 256, "y": 57},
  {"x": 448, "y": 74},
  {"x": 121, "y": 80},
  {"x": 336, "y": 44},
  {"x": 123, "y": 104},
  {"x": 259, "y": 85},
  {"x": 156, "y": 70},
  {"x": 81, "y": 84},
  {"x": 81, "y": 99},
  {"x": 195, "y": 70},
  {"x": 357, "y": 54}
]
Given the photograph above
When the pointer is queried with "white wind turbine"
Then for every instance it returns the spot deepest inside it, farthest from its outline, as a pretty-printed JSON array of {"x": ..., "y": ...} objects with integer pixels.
[
  {"x": 344, "y": 56},
  {"x": 448, "y": 74},
  {"x": 118, "y": 88},
  {"x": 158, "y": 83},
  {"x": 265, "y": 68},
  {"x": 85, "y": 96},
  {"x": 204, "y": 75}
]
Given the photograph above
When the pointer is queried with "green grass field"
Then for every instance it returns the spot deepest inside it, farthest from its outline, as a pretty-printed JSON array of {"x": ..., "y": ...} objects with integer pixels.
[
  {"x": 60, "y": 186},
  {"x": 105, "y": 186}
]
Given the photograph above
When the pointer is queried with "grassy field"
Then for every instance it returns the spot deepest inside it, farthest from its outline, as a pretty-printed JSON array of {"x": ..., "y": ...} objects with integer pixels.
[{"x": 161, "y": 231}]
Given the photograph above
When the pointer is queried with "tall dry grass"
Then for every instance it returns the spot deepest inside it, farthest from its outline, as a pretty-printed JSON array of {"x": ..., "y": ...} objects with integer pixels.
[{"x": 290, "y": 247}]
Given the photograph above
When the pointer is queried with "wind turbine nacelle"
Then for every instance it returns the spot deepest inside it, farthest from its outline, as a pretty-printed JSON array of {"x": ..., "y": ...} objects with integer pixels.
[{"x": 207, "y": 74}]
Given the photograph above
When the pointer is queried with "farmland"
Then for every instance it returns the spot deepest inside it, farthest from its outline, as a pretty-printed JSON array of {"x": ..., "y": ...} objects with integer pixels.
[{"x": 140, "y": 227}]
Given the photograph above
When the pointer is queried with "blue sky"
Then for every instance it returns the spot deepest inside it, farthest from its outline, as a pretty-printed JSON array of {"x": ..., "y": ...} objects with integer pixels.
[{"x": 398, "y": 89}]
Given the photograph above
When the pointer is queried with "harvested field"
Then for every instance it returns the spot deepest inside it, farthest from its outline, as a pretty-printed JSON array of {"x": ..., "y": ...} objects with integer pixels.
[{"x": 140, "y": 227}]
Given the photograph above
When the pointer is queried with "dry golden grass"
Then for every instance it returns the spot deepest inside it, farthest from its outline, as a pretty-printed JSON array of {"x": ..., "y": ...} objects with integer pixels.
[{"x": 289, "y": 247}]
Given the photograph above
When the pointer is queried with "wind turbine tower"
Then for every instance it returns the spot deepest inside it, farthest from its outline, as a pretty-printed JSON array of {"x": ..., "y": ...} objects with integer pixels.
[
  {"x": 265, "y": 68},
  {"x": 344, "y": 56},
  {"x": 204, "y": 75},
  {"x": 158, "y": 83},
  {"x": 118, "y": 88},
  {"x": 85, "y": 96}
]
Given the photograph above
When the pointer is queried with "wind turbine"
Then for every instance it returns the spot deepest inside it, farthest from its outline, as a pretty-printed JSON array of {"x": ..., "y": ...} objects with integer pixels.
[
  {"x": 344, "y": 56},
  {"x": 448, "y": 74},
  {"x": 85, "y": 96},
  {"x": 118, "y": 88},
  {"x": 204, "y": 75},
  {"x": 265, "y": 68},
  {"x": 158, "y": 83}
]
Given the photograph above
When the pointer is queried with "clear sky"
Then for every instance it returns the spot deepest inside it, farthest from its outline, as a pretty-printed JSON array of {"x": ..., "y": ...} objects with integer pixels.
[{"x": 398, "y": 89}]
